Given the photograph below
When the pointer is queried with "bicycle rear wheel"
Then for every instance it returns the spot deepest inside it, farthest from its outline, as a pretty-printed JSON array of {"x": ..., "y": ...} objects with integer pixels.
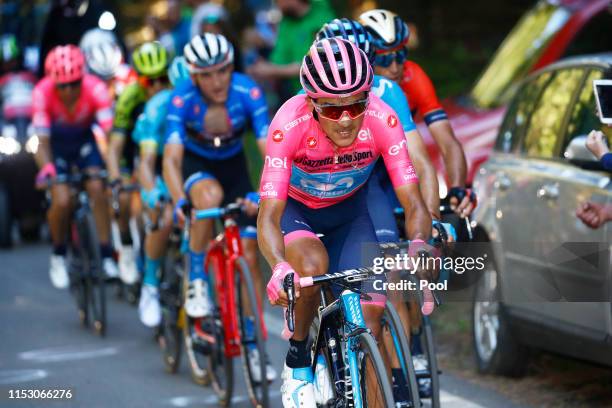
[
  {"x": 170, "y": 338},
  {"x": 427, "y": 341},
  {"x": 379, "y": 393},
  {"x": 220, "y": 365},
  {"x": 391, "y": 321},
  {"x": 94, "y": 277},
  {"x": 247, "y": 299}
]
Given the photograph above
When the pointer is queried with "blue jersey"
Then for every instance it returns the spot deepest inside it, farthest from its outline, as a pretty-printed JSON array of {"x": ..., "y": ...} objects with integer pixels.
[
  {"x": 186, "y": 112},
  {"x": 391, "y": 94},
  {"x": 150, "y": 128}
]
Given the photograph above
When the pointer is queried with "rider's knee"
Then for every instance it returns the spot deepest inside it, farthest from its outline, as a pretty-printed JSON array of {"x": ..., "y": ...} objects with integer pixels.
[
  {"x": 211, "y": 196},
  {"x": 96, "y": 190},
  {"x": 373, "y": 315},
  {"x": 250, "y": 255},
  {"x": 61, "y": 202}
]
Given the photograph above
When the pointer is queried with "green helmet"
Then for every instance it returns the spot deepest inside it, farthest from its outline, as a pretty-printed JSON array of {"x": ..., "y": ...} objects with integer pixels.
[
  {"x": 150, "y": 59},
  {"x": 9, "y": 50}
]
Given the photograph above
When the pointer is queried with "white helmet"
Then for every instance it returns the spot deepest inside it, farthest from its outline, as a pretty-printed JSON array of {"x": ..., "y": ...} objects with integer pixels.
[
  {"x": 387, "y": 29},
  {"x": 208, "y": 50},
  {"x": 97, "y": 36},
  {"x": 104, "y": 59}
]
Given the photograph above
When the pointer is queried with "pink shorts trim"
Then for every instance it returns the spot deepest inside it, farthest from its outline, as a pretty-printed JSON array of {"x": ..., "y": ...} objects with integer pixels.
[
  {"x": 378, "y": 299},
  {"x": 292, "y": 236}
]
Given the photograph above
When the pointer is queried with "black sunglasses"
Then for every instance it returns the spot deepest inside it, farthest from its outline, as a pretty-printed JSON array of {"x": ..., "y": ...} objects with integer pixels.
[{"x": 73, "y": 84}]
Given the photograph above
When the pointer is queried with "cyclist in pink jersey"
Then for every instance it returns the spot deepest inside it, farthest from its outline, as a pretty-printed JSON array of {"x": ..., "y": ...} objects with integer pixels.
[
  {"x": 320, "y": 151},
  {"x": 66, "y": 103}
]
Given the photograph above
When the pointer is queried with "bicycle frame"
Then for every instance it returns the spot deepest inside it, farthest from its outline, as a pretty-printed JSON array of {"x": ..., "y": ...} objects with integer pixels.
[
  {"x": 352, "y": 324},
  {"x": 223, "y": 252}
]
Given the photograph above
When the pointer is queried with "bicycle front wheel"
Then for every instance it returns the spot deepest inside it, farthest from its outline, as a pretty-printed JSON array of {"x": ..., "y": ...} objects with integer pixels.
[
  {"x": 252, "y": 341},
  {"x": 392, "y": 323},
  {"x": 95, "y": 276},
  {"x": 376, "y": 390},
  {"x": 171, "y": 301}
]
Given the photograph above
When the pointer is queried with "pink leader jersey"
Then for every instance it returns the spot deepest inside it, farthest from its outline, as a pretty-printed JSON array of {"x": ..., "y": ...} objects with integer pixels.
[
  {"x": 304, "y": 164},
  {"x": 94, "y": 104}
]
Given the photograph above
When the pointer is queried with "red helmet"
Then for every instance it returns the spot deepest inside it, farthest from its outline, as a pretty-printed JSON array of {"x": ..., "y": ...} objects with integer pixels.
[{"x": 64, "y": 64}]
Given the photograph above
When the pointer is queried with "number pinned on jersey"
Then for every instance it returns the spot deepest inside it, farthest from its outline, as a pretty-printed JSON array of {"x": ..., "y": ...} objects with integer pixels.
[
  {"x": 392, "y": 121},
  {"x": 277, "y": 136}
]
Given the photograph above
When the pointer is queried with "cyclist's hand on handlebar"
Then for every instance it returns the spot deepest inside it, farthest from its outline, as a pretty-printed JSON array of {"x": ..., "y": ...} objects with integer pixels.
[
  {"x": 426, "y": 270},
  {"x": 276, "y": 294},
  {"x": 181, "y": 210},
  {"x": 45, "y": 173},
  {"x": 250, "y": 204},
  {"x": 462, "y": 200}
]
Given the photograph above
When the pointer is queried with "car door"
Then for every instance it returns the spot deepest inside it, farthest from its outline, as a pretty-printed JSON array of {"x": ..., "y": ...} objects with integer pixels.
[
  {"x": 578, "y": 256},
  {"x": 527, "y": 280}
]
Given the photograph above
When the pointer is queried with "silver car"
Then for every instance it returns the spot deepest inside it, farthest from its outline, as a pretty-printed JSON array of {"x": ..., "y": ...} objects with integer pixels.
[{"x": 547, "y": 284}]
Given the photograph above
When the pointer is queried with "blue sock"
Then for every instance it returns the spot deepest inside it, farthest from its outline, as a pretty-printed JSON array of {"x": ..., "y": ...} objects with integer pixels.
[
  {"x": 196, "y": 266},
  {"x": 249, "y": 329},
  {"x": 150, "y": 275}
]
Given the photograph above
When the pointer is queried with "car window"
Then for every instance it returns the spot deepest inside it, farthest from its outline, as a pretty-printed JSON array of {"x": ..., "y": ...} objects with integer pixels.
[
  {"x": 545, "y": 125},
  {"x": 583, "y": 117},
  {"x": 516, "y": 119},
  {"x": 594, "y": 37}
]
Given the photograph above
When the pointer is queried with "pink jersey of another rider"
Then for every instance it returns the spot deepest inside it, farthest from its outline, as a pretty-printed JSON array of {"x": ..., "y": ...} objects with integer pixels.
[{"x": 94, "y": 105}]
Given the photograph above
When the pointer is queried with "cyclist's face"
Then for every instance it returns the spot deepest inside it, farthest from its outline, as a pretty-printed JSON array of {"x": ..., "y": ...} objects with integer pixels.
[
  {"x": 394, "y": 72},
  {"x": 341, "y": 132},
  {"x": 214, "y": 85},
  {"x": 69, "y": 93}
]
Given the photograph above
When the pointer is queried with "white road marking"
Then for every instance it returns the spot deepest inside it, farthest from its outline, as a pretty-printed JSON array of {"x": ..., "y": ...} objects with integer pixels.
[
  {"x": 67, "y": 353},
  {"x": 19, "y": 376},
  {"x": 185, "y": 401}
]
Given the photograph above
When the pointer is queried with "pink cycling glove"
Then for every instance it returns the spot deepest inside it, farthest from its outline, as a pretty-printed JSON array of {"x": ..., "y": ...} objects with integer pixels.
[
  {"x": 47, "y": 171},
  {"x": 275, "y": 284}
]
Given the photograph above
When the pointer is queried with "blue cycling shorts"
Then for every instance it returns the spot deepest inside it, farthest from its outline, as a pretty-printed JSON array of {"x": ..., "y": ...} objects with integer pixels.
[
  {"x": 72, "y": 147},
  {"x": 346, "y": 231}
]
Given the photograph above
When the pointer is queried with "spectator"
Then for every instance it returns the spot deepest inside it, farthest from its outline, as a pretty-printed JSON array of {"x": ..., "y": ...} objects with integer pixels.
[
  {"x": 594, "y": 215},
  {"x": 170, "y": 26},
  {"x": 213, "y": 18},
  {"x": 596, "y": 143},
  {"x": 302, "y": 19}
]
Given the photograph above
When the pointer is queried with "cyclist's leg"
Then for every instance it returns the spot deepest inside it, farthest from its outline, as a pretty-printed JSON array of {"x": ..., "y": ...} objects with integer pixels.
[{"x": 58, "y": 217}]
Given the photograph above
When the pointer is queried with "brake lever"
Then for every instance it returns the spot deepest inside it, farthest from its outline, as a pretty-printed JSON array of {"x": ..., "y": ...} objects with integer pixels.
[{"x": 289, "y": 287}]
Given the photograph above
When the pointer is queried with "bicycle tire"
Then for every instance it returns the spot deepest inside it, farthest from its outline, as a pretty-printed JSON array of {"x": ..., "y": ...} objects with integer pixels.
[
  {"x": 432, "y": 361},
  {"x": 220, "y": 366},
  {"x": 78, "y": 285},
  {"x": 367, "y": 345},
  {"x": 171, "y": 336},
  {"x": 199, "y": 374},
  {"x": 258, "y": 391},
  {"x": 95, "y": 274},
  {"x": 396, "y": 329}
]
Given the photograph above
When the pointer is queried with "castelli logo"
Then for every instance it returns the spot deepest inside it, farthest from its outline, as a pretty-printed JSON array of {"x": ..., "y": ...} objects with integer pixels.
[
  {"x": 392, "y": 121},
  {"x": 277, "y": 136},
  {"x": 311, "y": 141},
  {"x": 178, "y": 101},
  {"x": 255, "y": 93}
]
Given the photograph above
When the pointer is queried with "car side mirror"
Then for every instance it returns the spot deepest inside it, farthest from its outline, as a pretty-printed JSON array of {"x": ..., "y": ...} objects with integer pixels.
[{"x": 578, "y": 154}]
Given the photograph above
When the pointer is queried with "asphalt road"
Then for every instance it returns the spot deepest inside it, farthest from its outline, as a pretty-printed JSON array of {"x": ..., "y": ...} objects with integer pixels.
[{"x": 43, "y": 346}]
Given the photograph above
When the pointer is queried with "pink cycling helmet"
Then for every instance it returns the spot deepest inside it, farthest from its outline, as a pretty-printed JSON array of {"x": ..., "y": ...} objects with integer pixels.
[
  {"x": 335, "y": 68},
  {"x": 64, "y": 64}
]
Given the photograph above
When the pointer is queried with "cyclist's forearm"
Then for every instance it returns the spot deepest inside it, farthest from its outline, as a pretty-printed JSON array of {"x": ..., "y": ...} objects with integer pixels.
[
  {"x": 269, "y": 235},
  {"x": 115, "y": 149},
  {"x": 172, "y": 174},
  {"x": 418, "y": 219},
  {"x": 452, "y": 152},
  {"x": 146, "y": 170},
  {"x": 426, "y": 171},
  {"x": 43, "y": 154}
]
